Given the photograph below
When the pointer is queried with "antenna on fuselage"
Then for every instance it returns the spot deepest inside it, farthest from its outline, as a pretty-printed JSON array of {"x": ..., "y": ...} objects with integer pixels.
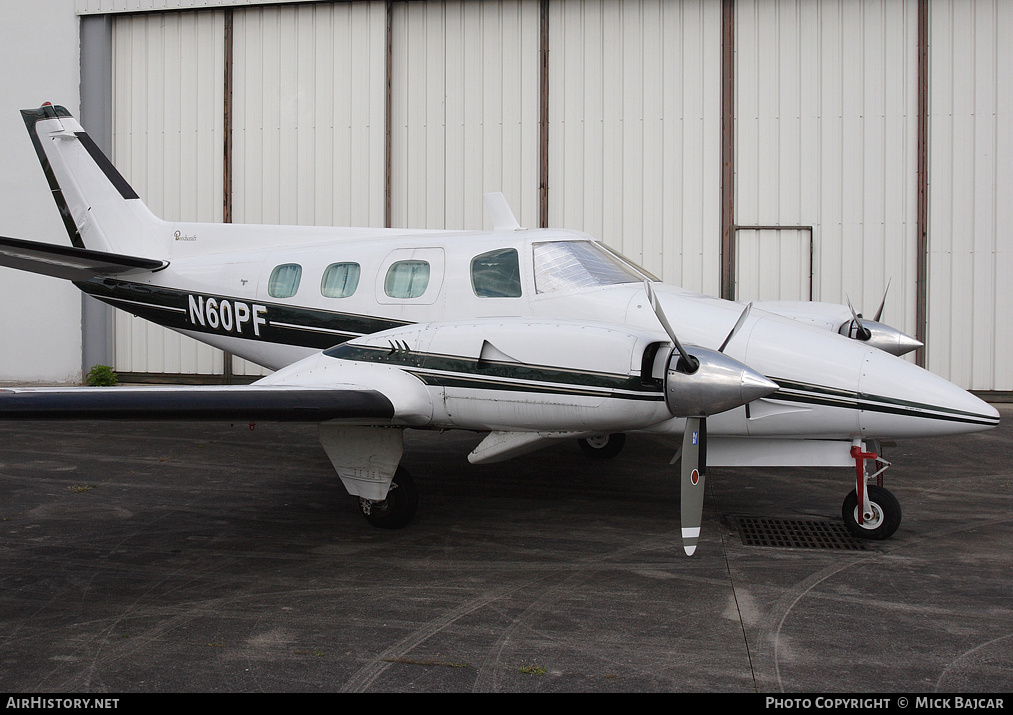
[{"x": 502, "y": 216}]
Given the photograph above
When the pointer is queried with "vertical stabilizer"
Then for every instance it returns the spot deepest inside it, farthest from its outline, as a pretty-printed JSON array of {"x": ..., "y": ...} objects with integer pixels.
[{"x": 99, "y": 208}]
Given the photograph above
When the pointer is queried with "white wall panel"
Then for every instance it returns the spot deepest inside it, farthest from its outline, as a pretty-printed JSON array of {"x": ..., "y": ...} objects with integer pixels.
[
  {"x": 970, "y": 332},
  {"x": 465, "y": 90},
  {"x": 40, "y": 318},
  {"x": 168, "y": 101},
  {"x": 309, "y": 117},
  {"x": 773, "y": 264},
  {"x": 826, "y": 135},
  {"x": 309, "y": 94},
  {"x": 635, "y": 119}
]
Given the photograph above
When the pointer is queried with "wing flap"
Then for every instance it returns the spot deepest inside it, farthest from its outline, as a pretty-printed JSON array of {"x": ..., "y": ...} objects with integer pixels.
[
  {"x": 191, "y": 402},
  {"x": 68, "y": 262}
]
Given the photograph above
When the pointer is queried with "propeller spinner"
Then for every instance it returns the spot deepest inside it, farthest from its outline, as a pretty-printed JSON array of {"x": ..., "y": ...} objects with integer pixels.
[
  {"x": 877, "y": 334},
  {"x": 700, "y": 382}
]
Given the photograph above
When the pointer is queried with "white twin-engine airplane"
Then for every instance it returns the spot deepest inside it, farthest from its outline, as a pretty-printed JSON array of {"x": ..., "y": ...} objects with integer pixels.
[{"x": 528, "y": 336}]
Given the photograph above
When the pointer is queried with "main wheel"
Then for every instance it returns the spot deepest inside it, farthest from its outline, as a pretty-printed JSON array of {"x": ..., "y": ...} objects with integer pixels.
[
  {"x": 604, "y": 447},
  {"x": 399, "y": 508},
  {"x": 885, "y": 514}
]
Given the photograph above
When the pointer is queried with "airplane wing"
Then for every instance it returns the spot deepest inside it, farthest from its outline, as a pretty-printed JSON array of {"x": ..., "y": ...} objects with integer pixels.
[
  {"x": 68, "y": 262},
  {"x": 281, "y": 403}
]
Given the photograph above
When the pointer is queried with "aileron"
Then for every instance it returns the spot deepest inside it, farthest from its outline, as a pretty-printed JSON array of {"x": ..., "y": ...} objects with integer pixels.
[{"x": 231, "y": 402}]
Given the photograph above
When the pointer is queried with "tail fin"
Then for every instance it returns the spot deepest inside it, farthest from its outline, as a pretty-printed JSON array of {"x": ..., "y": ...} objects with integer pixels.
[{"x": 99, "y": 209}]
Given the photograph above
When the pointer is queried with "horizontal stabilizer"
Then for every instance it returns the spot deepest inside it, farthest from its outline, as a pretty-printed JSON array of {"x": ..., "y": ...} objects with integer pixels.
[
  {"x": 70, "y": 263},
  {"x": 194, "y": 402}
]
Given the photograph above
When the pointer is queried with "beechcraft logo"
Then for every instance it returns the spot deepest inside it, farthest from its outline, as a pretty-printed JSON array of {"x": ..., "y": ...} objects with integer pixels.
[{"x": 224, "y": 315}]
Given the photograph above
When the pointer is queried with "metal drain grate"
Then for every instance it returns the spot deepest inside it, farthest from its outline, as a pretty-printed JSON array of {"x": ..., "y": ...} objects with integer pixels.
[{"x": 795, "y": 534}]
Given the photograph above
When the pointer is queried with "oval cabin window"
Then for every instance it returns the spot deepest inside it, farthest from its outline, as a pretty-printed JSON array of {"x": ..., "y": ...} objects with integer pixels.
[
  {"x": 340, "y": 280},
  {"x": 284, "y": 281},
  {"x": 406, "y": 279}
]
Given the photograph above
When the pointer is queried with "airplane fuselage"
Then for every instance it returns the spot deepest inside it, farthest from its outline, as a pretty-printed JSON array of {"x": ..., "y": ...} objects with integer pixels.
[{"x": 277, "y": 304}]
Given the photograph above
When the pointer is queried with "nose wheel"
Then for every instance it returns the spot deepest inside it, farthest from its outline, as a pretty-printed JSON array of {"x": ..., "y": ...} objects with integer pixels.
[
  {"x": 878, "y": 521},
  {"x": 870, "y": 511}
]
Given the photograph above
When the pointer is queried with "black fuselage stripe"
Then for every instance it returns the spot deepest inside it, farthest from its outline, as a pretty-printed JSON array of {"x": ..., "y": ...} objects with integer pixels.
[
  {"x": 276, "y": 323},
  {"x": 458, "y": 371},
  {"x": 472, "y": 382},
  {"x": 835, "y": 397}
]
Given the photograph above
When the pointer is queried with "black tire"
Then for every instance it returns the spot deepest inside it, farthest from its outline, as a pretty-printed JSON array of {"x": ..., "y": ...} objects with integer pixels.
[
  {"x": 605, "y": 447},
  {"x": 885, "y": 507},
  {"x": 398, "y": 509}
]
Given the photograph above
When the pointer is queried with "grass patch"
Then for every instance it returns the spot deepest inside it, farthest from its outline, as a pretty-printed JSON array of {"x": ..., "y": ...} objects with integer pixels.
[{"x": 533, "y": 669}]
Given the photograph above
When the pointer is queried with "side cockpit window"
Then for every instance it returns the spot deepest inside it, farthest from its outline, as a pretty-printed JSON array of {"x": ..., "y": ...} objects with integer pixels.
[
  {"x": 496, "y": 274},
  {"x": 284, "y": 281},
  {"x": 340, "y": 280},
  {"x": 406, "y": 279}
]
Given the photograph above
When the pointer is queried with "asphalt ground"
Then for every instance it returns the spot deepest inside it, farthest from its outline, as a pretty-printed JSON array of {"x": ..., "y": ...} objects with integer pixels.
[{"x": 209, "y": 558}]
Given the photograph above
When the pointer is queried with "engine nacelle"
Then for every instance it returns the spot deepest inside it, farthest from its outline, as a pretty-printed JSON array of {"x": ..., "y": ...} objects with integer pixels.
[{"x": 879, "y": 335}]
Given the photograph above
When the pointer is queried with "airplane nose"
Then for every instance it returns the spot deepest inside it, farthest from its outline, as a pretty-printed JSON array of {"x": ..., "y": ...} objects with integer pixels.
[{"x": 926, "y": 404}]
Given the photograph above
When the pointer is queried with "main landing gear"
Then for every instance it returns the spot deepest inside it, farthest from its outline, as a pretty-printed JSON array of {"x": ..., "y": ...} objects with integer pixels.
[
  {"x": 398, "y": 508},
  {"x": 870, "y": 511},
  {"x": 602, "y": 447}
]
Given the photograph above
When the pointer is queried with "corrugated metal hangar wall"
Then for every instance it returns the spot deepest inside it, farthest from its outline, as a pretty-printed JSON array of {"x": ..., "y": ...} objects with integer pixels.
[{"x": 793, "y": 149}]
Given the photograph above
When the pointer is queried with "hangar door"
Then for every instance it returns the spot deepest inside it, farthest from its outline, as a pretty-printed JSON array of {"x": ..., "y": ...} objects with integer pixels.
[
  {"x": 307, "y": 133},
  {"x": 168, "y": 100},
  {"x": 307, "y": 100}
]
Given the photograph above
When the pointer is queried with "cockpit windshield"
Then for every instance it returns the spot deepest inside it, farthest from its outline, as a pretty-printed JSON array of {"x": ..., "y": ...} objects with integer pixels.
[{"x": 570, "y": 265}]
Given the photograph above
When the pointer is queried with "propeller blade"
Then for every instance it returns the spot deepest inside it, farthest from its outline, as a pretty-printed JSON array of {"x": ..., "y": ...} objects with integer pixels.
[
  {"x": 879, "y": 313},
  {"x": 694, "y": 467},
  {"x": 656, "y": 305},
  {"x": 862, "y": 332},
  {"x": 735, "y": 328}
]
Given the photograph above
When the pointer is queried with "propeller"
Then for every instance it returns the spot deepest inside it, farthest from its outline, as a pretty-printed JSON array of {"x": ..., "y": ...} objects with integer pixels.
[
  {"x": 879, "y": 313},
  {"x": 876, "y": 333},
  {"x": 690, "y": 365},
  {"x": 702, "y": 383},
  {"x": 861, "y": 332}
]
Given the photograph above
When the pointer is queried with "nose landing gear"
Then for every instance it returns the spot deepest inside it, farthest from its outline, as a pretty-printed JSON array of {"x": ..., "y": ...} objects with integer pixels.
[{"x": 870, "y": 511}]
